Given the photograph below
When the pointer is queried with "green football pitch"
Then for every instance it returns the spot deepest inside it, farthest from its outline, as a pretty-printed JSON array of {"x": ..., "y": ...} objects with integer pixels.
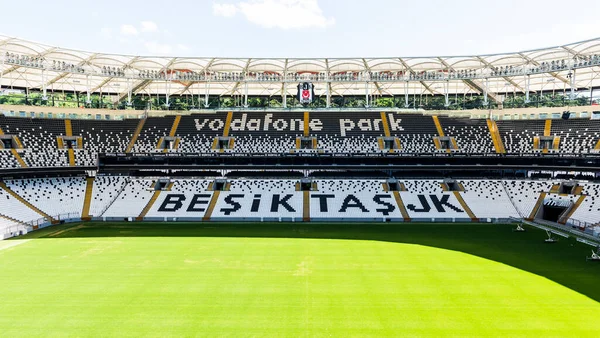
[{"x": 296, "y": 280}]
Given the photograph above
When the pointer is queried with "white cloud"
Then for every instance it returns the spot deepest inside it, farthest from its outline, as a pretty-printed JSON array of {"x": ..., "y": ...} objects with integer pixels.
[
  {"x": 149, "y": 27},
  {"x": 129, "y": 30},
  {"x": 224, "y": 10},
  {"x": 284, "y": 14},
  {"x": 157, "y": 48}
]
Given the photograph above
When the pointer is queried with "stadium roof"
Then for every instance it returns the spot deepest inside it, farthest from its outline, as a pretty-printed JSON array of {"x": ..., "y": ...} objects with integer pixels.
[{"x": 576, "y": 64}]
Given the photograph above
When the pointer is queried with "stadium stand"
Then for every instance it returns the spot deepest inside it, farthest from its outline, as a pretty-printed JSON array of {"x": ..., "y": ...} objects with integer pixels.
[
  {"x": 61, "y": 198},
  {"x": 352, "y": 199},
  {"x": 481, "y": 195},
  {"x": 471, "y": 135},
  {"x": 263, "y": 200},
  {"x": 102, "y": 137},
  {"x": 578, "y": 136},
  {"x": 105, "y": 191},
  {"x": 39, "y": 139},
  {"x": 132, "y": 200},
  {"x": 517, "y": 136},
  {"x": 154, "y": 129}
]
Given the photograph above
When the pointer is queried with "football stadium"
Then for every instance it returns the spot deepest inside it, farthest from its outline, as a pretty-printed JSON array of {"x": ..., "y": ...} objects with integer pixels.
[{"x": 299, "y": 196}]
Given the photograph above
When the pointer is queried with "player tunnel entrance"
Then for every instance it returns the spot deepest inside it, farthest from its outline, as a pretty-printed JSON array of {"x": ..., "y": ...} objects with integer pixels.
[{"x": 552, "y": 209}]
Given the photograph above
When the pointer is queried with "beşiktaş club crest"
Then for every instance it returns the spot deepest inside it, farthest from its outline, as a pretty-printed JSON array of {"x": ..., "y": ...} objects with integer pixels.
[{"x": 306, "y": 92}]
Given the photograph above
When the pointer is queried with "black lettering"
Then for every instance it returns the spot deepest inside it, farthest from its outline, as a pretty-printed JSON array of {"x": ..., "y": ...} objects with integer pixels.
[
  {"x": 172, "y": 203},
  {"x": 255, "y": 203},
  {"x": 439, "y": 204},
  {"x": 424, "y": 204},
  {"x": 379, "y": 200},
  {"x": 230, "y": 200},
  {"x": 355, "y": 204},
  {"x": 283, "y": 202},
  {"x": 196, "y": 200},
  {"x": 323, "y": 201}
]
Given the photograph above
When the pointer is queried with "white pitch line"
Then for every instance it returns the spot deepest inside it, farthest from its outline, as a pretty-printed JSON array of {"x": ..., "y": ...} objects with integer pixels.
[{"x": 12, "y": 244}]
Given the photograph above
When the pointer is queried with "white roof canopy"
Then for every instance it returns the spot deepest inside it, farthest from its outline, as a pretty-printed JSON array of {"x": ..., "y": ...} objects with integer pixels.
[{"x": 26, "y": 64}]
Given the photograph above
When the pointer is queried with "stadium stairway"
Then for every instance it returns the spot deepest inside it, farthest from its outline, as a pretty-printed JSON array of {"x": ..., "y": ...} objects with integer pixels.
[
  {"x": 135, "y": 136},
  {"x": 173, "y": 132},
  {"x": 89, "y": 187},
  {"x": 465, "y": 207},
  {"x": 401, "y": 206},
  {"x": 211, "y": 205},
  {"x": 29, "y": 205},
  {"x": 71, "y": 152},
  {"x": 306, "y": 205},
  {"x": 12, "y": 219},
  {"x": 20, "y": 146},
  {"x": 569, "y": 212},
  {"x": 151, "y": 203},
  {"x": 597, "y": 147},
  {"x": 537, "y": 206},
  {"x": 495, "y": 134}
]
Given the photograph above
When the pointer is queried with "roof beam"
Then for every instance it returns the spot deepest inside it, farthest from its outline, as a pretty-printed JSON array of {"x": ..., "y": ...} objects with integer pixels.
[
  {"x": 237, "y": 84},
  {"x": 13, "y": 68},
  {"x": 472, "y": 83},
  {"x": 406, "y": 66},
  {"x": 192, "y": 82},
  {"x": 369, "y": 70},
  {"x": 62, "y": 75},
  {"x": 508, "y": 79},
  {"x": 143, "y": 83},
  {"x": 553, "y": 74}
]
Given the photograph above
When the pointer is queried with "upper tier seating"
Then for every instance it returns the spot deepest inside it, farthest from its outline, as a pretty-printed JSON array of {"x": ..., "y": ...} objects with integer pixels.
[
  {"x": 154, "y": 129},
  {"x": 518, "y": 135},
  {"x": 261, "y": 132},
  {"x": 7, "y": 160},
  {"x": 471, "y": 135},
  {"x": 101, "y": 137},
  {"x": 39, "y": 139},
  {"x": 576, "y": 135},
  {"x": 198, "y": 131}
]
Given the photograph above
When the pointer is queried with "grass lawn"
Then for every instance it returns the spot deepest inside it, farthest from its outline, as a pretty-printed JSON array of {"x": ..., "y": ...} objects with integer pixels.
[{"x": 272, "y": 280}]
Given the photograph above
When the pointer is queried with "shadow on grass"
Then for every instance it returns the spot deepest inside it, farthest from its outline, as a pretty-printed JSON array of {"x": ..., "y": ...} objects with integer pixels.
[{"x": 563, "y": 262}]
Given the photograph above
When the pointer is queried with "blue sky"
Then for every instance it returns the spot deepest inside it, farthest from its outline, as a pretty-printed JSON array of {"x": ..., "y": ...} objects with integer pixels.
[{"x": 308, "y": 28}]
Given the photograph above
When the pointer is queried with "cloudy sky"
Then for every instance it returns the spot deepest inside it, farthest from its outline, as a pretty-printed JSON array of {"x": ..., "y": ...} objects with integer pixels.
[{"x": 301, "y": 28}]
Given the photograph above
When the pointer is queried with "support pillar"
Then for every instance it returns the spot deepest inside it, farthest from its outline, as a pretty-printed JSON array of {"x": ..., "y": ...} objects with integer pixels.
[
  {"x": 44, "y": 86},
  {"x": 245, "y": 94},
  {"x": 207, "y": 88},
  {"x": 485, "y": 92},
  {"x": 446, "y": 98},
  {"x": 88, "y": 99},
  {"x": 284, "y": 94},
  {"x": 366, "y": 94},
  {"x": 406, "y": 104},
  {"x": 129, "y": 104},
  {"x": 527, "y": 83}
]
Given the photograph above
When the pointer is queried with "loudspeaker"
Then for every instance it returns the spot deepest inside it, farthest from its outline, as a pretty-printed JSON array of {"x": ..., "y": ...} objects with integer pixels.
[{"x": 566, "y": 115}]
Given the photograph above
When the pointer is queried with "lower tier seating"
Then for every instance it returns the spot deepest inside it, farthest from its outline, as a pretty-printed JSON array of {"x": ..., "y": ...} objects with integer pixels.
[{"x": 119, "y": 197}]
